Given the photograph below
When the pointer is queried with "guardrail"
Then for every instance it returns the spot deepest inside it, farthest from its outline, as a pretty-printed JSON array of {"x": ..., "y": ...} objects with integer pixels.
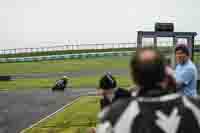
[
  {"x": 5, "y": 77},
  {"x": 94, "y": 46},
  {"x": 83, "y": 46},
  {"x": 65, "y": 56},
  {"x": 70, "y": 56}
]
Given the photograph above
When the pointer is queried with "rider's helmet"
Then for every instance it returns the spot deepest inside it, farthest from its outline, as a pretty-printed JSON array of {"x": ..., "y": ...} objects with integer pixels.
[
  {"x": 65, "y": 78},
  {"x": 107, "y": 82}
]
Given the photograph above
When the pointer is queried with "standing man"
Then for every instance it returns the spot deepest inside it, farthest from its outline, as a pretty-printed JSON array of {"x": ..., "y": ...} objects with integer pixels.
[
  {"x": 109, "y": 90},
  {"x": 186, "y": 72}
]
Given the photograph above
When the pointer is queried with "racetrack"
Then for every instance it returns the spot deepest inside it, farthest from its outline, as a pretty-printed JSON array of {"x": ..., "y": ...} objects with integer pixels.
[
  {"x": 70, "y": 74},
  {"x": 20, "y": 109}
]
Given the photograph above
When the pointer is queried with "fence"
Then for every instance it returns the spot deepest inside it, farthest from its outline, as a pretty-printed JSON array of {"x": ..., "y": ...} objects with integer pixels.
[
  {"x": 68, "y": 47},
  {"x": 92, "y": 46},
  {"x": 65, "y": 56},
  {"x": 75, "y": 47}
]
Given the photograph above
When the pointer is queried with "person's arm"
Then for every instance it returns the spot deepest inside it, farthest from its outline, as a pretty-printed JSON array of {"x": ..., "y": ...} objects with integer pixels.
[
  {"x": 171, "y": 81},
  {"x": 92, "y": 130},
  {"x": 184, "y": 78},
  {"x": 110, "y": 115},
  {"x": 180, "y": 84},
  {"x": 104, "y": 102},
  {"x": 121, "y": 93}
]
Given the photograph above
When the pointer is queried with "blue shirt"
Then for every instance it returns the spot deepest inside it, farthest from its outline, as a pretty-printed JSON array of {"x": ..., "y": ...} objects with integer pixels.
[{"x": 187, "y": 74}]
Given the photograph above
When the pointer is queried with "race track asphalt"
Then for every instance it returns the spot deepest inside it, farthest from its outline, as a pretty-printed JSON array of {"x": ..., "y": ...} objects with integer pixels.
[
  {"x": 70, "y": 74},
  {"x": 20, "y": 109}
]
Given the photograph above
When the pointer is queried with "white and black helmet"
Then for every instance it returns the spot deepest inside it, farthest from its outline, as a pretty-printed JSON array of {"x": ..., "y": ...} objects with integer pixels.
[{"x": 107, "y": 81}]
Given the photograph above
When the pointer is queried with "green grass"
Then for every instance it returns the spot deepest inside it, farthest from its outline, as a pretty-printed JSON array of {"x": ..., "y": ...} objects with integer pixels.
[
  {"x": 76, "y": 82},
  {"x": 197, "y": 58},
  {"x": 69, "y": 65},
  {"x": 72, "y": 65},
  {"x": 74, "y": 119}
]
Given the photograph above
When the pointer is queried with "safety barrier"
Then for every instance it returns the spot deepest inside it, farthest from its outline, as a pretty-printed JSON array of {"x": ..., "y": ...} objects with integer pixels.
[
  {"x": 65, "y": 56},
  {"x": 63, "y": 47},
  {"x": 5, "y": 78}
]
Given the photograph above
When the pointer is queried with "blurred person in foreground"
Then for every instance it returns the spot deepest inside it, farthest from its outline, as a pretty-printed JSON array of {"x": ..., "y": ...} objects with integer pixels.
[
  {"x": 154, "y": 109},
  {"x": 109, "y": 91},
  {"x": 186, "y": 72}
]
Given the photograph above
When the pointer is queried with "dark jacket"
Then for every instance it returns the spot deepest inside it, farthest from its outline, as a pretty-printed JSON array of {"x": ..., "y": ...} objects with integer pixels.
[
  {"x": 118, "y": 94},
  {"x": 170, "y": 113}
]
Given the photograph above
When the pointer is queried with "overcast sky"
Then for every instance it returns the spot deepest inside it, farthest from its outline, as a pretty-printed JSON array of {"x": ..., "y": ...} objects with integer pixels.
[{"x": 26, "y": 23}]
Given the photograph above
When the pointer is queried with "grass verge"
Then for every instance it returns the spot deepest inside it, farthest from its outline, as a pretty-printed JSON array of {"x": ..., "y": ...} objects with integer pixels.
[
  {"x": 76, "y": 82},
  {"x": 74, "y": 119},
  {"x": 68, "y": 65}
]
